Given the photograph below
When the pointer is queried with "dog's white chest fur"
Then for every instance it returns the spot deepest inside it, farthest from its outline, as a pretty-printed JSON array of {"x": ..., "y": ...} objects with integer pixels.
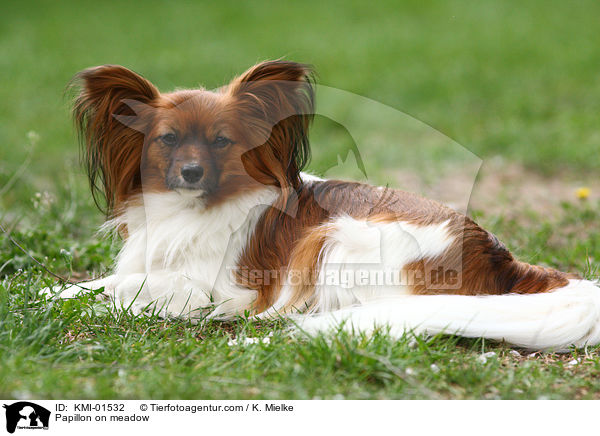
[{"x": 174, "y": 244}]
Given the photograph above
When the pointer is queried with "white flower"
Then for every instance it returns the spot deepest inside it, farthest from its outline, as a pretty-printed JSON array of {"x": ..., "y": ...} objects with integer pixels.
[
  {"x": 250, "y": 341},
  {"x": 483, "y": 358}
]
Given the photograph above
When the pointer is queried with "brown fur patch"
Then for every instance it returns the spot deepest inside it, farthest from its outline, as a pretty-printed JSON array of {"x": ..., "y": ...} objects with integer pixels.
[
  {"x": 281, "y": 239},
  {"x": 198, "y": 117},
  {"x": 275, "y": 103},
  {"x": 112, "y": 151},
  {"x": 476, "y": 263}
]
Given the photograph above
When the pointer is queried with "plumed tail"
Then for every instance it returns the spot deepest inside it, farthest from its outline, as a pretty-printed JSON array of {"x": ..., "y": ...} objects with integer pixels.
[{"x": 552, "y": 321}]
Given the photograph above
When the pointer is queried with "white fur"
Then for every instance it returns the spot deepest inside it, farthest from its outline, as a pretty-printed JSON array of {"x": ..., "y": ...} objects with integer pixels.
[
  {"x": 358, "y": 247},
  {"x": 179, "y": 255},
  {"x": 310, "y": 177},
  {"x": 547, "y": 321}
]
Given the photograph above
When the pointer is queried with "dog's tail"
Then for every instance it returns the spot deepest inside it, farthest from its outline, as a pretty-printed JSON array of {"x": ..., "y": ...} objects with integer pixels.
[{"x": 554, "y": 320}]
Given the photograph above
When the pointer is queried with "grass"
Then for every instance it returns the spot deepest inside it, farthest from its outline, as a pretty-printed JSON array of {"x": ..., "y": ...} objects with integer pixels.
[{"x": 503, "y": 79}]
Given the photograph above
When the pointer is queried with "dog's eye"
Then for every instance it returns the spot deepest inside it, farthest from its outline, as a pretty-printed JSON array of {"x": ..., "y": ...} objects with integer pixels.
[
  {"x": 169, "y": 139},
  {"x": 221, "y": 142}
]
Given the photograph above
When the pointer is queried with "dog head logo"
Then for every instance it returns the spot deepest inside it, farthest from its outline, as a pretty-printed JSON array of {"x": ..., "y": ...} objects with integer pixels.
[{"x": 26, "y": 415}]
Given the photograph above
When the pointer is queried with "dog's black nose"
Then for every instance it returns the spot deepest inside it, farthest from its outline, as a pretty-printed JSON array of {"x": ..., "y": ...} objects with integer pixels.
[{"x": 191, "y": 173}]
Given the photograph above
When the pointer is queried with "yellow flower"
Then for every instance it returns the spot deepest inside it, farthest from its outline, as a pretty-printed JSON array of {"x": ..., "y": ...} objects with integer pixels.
[{"x": 582, "y": 193}]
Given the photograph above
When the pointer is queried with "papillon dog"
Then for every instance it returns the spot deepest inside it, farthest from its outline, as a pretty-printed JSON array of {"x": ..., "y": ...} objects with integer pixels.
[{"x": 218, "y": 220}]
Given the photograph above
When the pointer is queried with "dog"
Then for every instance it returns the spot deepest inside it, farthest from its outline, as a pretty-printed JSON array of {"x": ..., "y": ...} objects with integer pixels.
[{"x": 218, "y": 219}]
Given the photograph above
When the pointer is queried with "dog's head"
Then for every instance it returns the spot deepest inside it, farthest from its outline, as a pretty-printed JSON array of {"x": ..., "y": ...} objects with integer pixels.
[{"x": 207, "y": 145}]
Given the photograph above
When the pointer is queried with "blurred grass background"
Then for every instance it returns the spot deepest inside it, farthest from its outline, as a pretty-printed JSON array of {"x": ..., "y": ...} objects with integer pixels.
[
  {"x": 516, "y": 79},
  {"x": 511, "y": 81}
]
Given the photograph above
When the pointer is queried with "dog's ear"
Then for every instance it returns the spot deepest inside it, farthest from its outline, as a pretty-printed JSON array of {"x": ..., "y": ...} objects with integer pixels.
[
  {"x": 110, "y": 112},
  {"x": 275, "y": 102}
]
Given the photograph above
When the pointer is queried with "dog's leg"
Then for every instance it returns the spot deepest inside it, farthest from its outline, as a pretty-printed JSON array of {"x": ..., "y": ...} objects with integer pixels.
[
  {"x": 166, "y": 293},
  {"x": 74, "y": 290}
]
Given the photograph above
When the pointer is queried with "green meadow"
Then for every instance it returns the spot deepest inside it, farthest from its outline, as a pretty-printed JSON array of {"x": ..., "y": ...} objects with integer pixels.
[{"x": 429, "y": 92}]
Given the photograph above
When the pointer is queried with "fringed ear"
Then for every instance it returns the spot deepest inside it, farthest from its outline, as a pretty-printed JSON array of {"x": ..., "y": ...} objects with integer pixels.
[
  {"x": 139, "y": 121},
  {"x": 110, "y": 113},
  {"x": 275, "y": 100}
]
